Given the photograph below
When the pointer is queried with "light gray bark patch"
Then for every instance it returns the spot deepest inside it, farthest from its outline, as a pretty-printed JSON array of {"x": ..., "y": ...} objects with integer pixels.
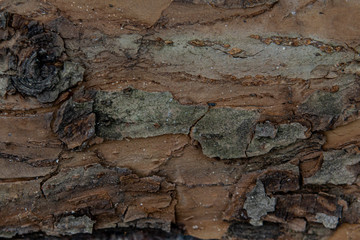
[
  {"x": 4, "y": 82},
  {"x": 7, "y": 234},
  {"x": 335, "y": 169},
  {"x": 353, "y": 68},
  {"x": 328, "y": 221},
  {"x": 225, "y": 132},
  {"x": 320, "y": 71},
  {"x": 266, "y": 129},
  {"x": 125, "y": 46},
  {"x": 72, "y": 225},
  {"x": 196, "y": 60},
  {"x": 138, "y": 114},
  {"x": 258, "y": 204},
  {"x": 267, "y": 138}
]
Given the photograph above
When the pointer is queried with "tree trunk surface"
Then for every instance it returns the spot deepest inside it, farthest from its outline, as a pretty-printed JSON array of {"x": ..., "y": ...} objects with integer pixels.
[{"x": 210, "y": 119}]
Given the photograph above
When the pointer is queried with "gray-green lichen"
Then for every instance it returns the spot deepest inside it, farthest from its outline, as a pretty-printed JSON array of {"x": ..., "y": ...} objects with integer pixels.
[
  {"x": 268, "y": 137},
  {"x": 328, "y": 221},
  {"x": 225, "y": 132},
  {"x": 137, "y": 114},
  {"x": 71, "y": 74},
  {"x": 335, "y": 169},
  {"x": 258, "y": 204},
  {"x": 4, "y": 82},
  {"x": 72, "y": 225},
  {"x": 326, "y": 108},
  {"x": 323, "y": 104}
]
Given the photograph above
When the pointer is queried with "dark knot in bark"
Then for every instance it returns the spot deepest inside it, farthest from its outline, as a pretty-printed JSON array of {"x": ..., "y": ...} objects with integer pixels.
[
  {"x": 35, "y": 76},
  {"x": 40, "y": 69}
]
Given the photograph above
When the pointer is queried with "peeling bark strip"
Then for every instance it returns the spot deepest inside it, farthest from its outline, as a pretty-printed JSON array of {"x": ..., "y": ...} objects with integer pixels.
[
  {"x": 87, "y": 195},
  {"x": 295, "y": 42},
  {"x": 232, "y": 3},
  {"x": 265, "y": 137},
  {"x": 205, "y": 118}
]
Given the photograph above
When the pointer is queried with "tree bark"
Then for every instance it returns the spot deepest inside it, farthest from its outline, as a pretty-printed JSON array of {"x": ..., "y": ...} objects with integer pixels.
[{"x": 232, "y": 119}]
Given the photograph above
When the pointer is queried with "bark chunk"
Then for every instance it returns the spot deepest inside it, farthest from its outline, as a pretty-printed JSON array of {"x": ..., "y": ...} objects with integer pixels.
[
  {"x": 138, "y": 114},
  {"x": 225, "y": 132},
  {"x": 336, "y": 169},
  {"x": 257, "y": 204},
  {"x": 75, "y": 123},
  {"x": 73, "y": 225},
  {"x": 285, "y": 135}
]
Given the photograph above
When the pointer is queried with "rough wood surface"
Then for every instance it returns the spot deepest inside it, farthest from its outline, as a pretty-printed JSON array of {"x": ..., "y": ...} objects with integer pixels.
[{"x": 233, "y": 119}]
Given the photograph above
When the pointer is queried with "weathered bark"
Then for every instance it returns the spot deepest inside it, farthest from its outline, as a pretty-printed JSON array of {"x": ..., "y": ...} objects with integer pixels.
[{"x": 225, "y": 119}]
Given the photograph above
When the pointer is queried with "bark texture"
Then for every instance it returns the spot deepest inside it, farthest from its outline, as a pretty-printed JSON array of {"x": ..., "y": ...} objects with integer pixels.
[{"x": 232, "y": 119}]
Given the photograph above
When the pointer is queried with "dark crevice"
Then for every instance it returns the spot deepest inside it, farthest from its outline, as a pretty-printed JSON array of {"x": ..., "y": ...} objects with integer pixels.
[
  {"x": 47, "y": 177},
  {"x": 224, "y": 19},
  {"x": 194, "y": 124}
]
